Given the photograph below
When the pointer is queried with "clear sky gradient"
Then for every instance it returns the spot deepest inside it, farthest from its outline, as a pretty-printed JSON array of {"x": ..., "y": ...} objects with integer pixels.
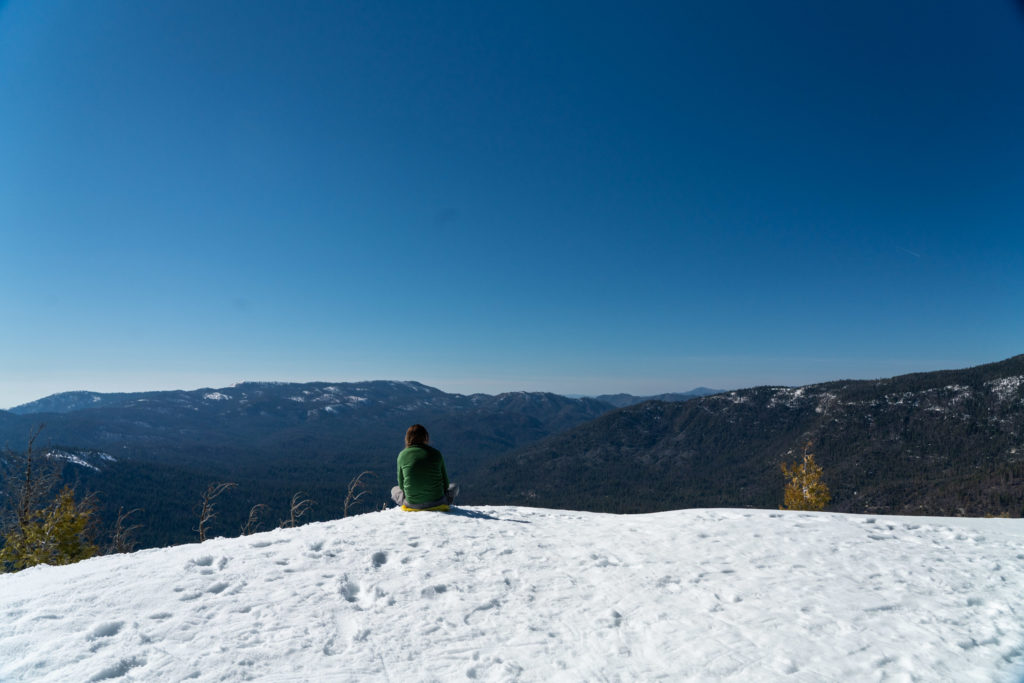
[{"x": 579, "y": 197}]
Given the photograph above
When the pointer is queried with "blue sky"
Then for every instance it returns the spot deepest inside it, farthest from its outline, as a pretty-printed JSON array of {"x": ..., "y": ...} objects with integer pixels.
[{"x": 573, "y": 197}]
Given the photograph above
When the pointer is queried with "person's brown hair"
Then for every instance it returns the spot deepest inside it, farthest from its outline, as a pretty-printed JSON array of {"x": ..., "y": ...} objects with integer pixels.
[{"x": 416, "y": 436}]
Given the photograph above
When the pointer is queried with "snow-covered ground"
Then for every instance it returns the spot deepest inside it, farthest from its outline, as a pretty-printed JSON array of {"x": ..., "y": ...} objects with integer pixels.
[{"x": 503, "y": 593}]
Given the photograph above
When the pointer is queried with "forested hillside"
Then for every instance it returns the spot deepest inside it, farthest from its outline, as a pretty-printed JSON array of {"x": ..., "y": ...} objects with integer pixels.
[
  {"x": 941, "y": 443},
  {"x": 157, "y": 451}
]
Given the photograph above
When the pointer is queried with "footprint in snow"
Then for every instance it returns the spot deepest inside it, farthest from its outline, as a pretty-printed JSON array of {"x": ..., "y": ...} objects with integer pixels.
[
  {"x": 111, "y": 628},
  {"x": 431, "y": 591},
  {"x": 119, "y": 669},
  {"x": 670, "y": 584},
  {"x": 348, "y": 590}
]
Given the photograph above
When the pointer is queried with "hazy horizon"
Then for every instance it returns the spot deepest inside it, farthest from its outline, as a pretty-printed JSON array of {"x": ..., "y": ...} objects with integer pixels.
[{"x": 466, "y": 389}]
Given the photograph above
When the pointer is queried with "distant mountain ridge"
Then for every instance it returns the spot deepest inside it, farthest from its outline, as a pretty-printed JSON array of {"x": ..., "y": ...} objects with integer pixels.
[
  {"x": 72, "y": 401},
  {"x": 624, "y": 400},
  {"x": 361, "y": 419},
  {"x": 273, "y": 439},
  {"x": 251, "y": 413},
  {"x": 944, "y": 443}
]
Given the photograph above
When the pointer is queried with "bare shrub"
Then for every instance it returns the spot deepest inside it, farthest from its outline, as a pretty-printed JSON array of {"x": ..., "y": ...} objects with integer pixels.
[
  {"x": 29, "y": 484},
  {"x": 122, "y": 539},
  {"x": 356, "y": 490},
  {"x": 206, "y": 511},
  {"x": 253, "y": 523},
  {"x": 299, "y": 507}
]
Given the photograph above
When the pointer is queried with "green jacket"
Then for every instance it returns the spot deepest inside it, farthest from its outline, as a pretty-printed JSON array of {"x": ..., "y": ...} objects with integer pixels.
[{"x": 421, "y": 474}]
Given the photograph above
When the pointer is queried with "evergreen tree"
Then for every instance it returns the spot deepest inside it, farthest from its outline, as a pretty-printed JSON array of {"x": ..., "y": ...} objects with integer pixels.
[
  {"x": 804, "y": 488},
  {"x": 55, "y": 535}
]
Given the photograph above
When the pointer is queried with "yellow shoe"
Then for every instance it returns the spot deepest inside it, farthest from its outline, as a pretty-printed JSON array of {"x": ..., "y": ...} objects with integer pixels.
[{"x": 437, "y": 508}]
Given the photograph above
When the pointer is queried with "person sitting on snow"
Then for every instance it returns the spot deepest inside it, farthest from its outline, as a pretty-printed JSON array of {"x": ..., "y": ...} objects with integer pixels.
[{"x": 422, "y": 479}]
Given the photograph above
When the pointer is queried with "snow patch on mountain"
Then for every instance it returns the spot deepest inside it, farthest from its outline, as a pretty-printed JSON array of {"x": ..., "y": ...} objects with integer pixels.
[
  {"x": 81, "y": 458},
  {"x": 1006, "y": 388},
  {"x": 790, "y": 397}
]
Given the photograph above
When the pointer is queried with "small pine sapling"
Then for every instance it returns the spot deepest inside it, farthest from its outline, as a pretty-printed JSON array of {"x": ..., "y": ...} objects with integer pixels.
[
  {"x": 56, "y": 535},
  {"x": 804, "y": 488},
  {"x": 33, "y": 531}
]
